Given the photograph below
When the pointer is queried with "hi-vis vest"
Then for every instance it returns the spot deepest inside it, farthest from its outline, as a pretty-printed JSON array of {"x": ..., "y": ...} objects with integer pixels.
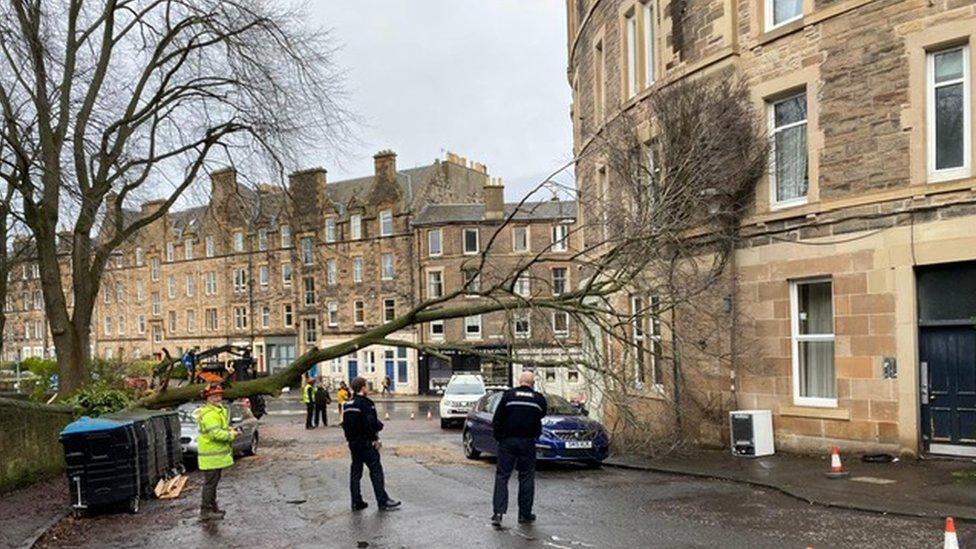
[
  {"x": 214, "y": 449},
  {"x": 308, "y": 395}
]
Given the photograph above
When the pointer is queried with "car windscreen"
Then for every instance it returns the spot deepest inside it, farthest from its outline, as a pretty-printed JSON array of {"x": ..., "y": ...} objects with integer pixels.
[
  {"x": 464, "y": 388},
  {"x": 559, "y": 406}
]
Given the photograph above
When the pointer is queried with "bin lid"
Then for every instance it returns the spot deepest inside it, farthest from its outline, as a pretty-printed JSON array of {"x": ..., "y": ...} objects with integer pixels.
[{"x": 87, "y": 424}]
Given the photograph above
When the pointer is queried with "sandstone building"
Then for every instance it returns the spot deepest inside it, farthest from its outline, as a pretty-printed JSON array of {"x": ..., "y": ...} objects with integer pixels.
[
  {"x": 856, "y": 273},
  {"x": 283, "y": 268}
]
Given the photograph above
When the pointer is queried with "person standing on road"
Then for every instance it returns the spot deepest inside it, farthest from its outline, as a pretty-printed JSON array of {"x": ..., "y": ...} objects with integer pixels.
[
  {"x": 362, "y": 427},
  {"x": 517, "y": 424},
  {"x": 308, "y": 398},
  {"x": 322, "y": 402},
  {"x": 342, "y": 395},
  {"x": 214, "y": 448},
  {"x": 387, "y": 386}
]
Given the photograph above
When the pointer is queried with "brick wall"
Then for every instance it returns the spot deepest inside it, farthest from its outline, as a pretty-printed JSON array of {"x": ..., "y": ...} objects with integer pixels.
[{"x": 29, "y": 447}]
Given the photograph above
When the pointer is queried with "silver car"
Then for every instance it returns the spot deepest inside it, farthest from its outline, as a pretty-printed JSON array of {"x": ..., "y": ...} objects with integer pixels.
[{"x": 240, "y": 416}]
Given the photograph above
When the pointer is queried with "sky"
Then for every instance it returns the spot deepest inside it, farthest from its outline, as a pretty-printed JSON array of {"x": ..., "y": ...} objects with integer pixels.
[{"x": 483, "y": 79}]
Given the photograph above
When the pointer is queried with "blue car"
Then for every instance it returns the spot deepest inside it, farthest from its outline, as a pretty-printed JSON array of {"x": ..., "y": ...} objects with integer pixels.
[{"x": 567, "y": 434}]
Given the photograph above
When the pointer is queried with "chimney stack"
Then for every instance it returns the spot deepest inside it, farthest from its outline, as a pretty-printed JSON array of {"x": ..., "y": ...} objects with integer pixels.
[
  {"x": 384, "y": 164},
  {"x": 308, "y": 192},
  {"x": 494, "y": 198}
]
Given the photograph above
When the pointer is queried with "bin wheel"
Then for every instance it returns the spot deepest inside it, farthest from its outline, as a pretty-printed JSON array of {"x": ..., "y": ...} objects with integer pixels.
[
  {"x": 134, "y": 504},
  {"x": 252, "y": 448},
  {"x": 78, "y": 513}
]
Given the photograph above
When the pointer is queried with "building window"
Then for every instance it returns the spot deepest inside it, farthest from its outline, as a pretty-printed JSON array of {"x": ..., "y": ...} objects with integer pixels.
[
  {"x": 472, "y": 327},
  {"x": 191, "y": 321},
  {"x": 949, "y": 118},
  {"x": 140, "y": 291},
  {"x": 170, "y": 252},
  {"x": 521, "y": 286},
  {"x": 140, "y": 257},
  {"x": 560, "y": 323},
  {"x": 387, "y": 263},
  {"x": 781, "y": 12},
  {"x": 560, "y": 237},
  {"x": 330, "y": 229},
  {"x": 599, "y": 63},
  {"x": 190, "y": 285},
  {"x": 630, "y": 29},
  {"x": 265, "y": 317},
  {"x": 263, "y": 276},
  {"x": 472, "y": 281},
  {"x": 119, "y": 292},
  {"x": 238, "y": 242},
  {"x": 333, "y": 314},
  {"x": 471, "y": 241},
  {"x": 157, "y": 306},
  {"x": 107, "y": 321},
  {"x": 309, "y": 286},
  {"x": 208, "y": 245},
  {"x": 172, "y": 322},
  {"x": 386, "y": 223},
  {"x": 521, "y": 325},
  {"x": 309, "y": 330},
  {"x": 240, "y": 280},
  {"x": 357, "y": 270},
  {"x": 286, "y": 236},
  {"x": 210, "y": 283},
  {"x": 157, "y": 333},
  {"x": 171, "y": 286},
  {"x": 355, "y": 226},
  {"x": 401, "y": 353},
  {"x": 520, "y": 239},
  {"x": 358, "y": 313},
  {"x": 308, "y": 251},
  {"x": 812, "y": 327},
  {"x": 142, "y": 324},
  {"x": 435, "y": 284},
  {"x": 154, "y": 269},
  {"x": 788, "y": 127},
  {"x": 106, "y": 296},
  {"x": 389, "y": 310},
  {"x": 437, "y": 329},
  {"x": 286, "y": 275},
  {"x": 647, "y": 9},
  {"x": 434, "y": 242},
  {"x": 637, "y": 322},
  {"x": 188, "y": 249},
  {"x": 369, "y": 362},
  {"x": 559, "y": 280},
  {"x": 240, "y": 318},
  {"x": 287, "y": 315},
  {"x": 331, "y": 272},
  {"x": 210, "y": 320},
  {"x": 262, "y": 239},
  {"x": 39, "y": 300}
]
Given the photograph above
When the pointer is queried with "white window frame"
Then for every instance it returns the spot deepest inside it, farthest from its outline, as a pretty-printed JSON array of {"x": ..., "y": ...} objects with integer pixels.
[
  {"x": 521, "y": 316},
  {"x": 355, "y": 226},
  {"x": 154, "y": 269},
  {"x": 140, "y": 257},
  {"x": 170, "y": 252},
  {"x": 434, "y": 334},
  {"x": 357, "y": 269},
  {"x": 649, "y": 62},
  {"x": 190, "y": 285},
  {"x": 308, "y": 251},
  {"x": 430, "y": 283},
  {"x": 560, "y": 237},
  {"x": 332, "y": 314},
  {"x": 240, "y": 318},
  {"x": 330, "y": 229},
  {"x": 142, "y": 324},
  {"x": 238, "y": 241},
  {"x": 262, "y": 239},
  {"x": 560, "y": 333},
  {"x": 473, "y": 321},
  {"x": 288, "y": 315},
  {"x": 386, "y": 223},
  {"x": 388, "y": 271},
  {"x": 331, "y": 272},
  {"x": 472, "y": 286},
  {"x": 796, "y": 338},
  {"x": 464, "y": 240},
  {"x": 946, "y": 174},
  {"x": 208, "y": 246},
  {"x": 210, "y": 282},
  {"x": 389, "y": 306},
  {"x": 265, "y": 317},
  {"x": 314, "y": 323},
  {"x": 171, "y": 286},
  {"x": 440, "y": 242},
  {"x": 771, "y": 118},
  {"x": 528, "y": 239},
  {"x": 173, "y": 321},
  {"x": 211, "y": 319},
  {"x": 240, "y": 280},
  {"x": 308, "y": 293},
  {"x": 191, "y": 321},
  {"x": 359, "y": 313},
  {"x": 287, "y": 274},
  {"x": 286, "y": 236},
  {"x": 188, "y": 249},
  {"x": 565, "y": 280},
  {"x": 630, "y": 55},
  {"x": 120, "y": 325},
  {"x": 264, "y": 276},
  {"x": 768, "y": 16}
]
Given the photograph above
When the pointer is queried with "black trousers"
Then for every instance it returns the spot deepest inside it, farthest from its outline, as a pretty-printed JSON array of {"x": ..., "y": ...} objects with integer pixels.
[
  {"x": 209, "y": 493},
  {"x": 515, "y": 453},
  {"x": 321, "y": 416},
  {"x": 309, "y": 415},
  {"x": 363, "y": 453}
]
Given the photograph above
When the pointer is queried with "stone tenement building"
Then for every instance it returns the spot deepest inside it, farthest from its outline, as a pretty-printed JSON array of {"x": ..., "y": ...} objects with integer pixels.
[
  {"x": 313, "y": 263},
  {"x": 856, "y": 273}
]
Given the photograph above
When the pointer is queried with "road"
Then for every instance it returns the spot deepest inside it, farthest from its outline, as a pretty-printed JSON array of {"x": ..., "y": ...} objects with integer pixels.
[{"x": 294, "y": 493}]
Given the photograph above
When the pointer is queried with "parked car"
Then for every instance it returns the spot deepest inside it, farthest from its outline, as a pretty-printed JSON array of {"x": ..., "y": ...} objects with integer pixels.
[
  {"x": 459, "y": 395},
  {"x": 240, "y": 416},
  {"x": 567, "y": 433}
]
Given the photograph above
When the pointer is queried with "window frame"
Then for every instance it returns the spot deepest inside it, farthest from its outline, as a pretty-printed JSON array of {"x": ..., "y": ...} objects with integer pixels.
[
  {"x": 769, "y": 19},
  {"x": 208, "y": 246},
  {"x": 436, "y": 336},
  {"x": 947, "y": 174},
  {"x": 469, "y": 322},
  {"x": 630, "y": 54},
  {"x": 285, "y": 232},
  {"x": 310, "y": 321},
  {"x": 560, "y": 333},
  {"x": 528, "y": 239},
  {"x": 357, "y": 269},
  {"x": 384, "y": 217},
  {"x": 796, "y": 338},
  {"x": 331, "y": 272},
  {"x": 440, "y": 283},
  {"x": 774, "y": 203},
  {"x": 464, "y": 240},
  {"x": 560, "y": 242},
  {"x": 520, "y": 316},
  {"x": 330, "y": 229},
  {"x": 440, "y": 243},
  {"x": 389, "y": 309},
  {"x": 332, "y": 314},
  {"x": 288, "y": 315},
  {"x": 385, "y": 260},
  {"x": 356, "y": 226},
  {"x": 358, "y": 313}
]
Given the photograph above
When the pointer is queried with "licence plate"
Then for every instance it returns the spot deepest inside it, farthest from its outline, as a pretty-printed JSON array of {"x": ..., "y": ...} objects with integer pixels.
[{"x": 578, "y": 444}]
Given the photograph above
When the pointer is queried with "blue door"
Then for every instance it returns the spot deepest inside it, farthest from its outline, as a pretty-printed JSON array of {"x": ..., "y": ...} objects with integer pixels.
[
  {"x": 353, "y": 369},
  {"x": 390, "y": 368},
  {"x": 948, "y": 353}
]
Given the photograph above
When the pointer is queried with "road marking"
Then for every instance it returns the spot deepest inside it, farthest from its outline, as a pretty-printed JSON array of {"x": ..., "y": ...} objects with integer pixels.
[{"x": 873, "y": 480}]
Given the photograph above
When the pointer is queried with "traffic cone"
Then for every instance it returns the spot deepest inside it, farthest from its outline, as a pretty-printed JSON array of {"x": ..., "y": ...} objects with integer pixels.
[
  {"x": 386, "y": 416},
  {"x": 429, "y": 415},
  {"x": 951, "y": 541},
  {"x": 412, "y": 416},
  {"x": 836, "y": 468}
]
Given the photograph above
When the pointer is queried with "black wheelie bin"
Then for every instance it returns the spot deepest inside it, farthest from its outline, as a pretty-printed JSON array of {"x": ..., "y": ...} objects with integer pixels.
[{"x": 102, "y": 463}]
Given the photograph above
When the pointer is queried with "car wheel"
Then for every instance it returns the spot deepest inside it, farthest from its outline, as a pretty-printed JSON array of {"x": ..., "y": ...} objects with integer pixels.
[
  {"x": 470, "y": 451},
  {"x": 252, "y": 449},
  {"x": 593, "y": 464},
  {"x": 444, "y": 424}
]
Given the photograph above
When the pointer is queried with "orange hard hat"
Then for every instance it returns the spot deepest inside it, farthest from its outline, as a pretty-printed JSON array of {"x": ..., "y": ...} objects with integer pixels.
[{"x": 213, "y": 389}]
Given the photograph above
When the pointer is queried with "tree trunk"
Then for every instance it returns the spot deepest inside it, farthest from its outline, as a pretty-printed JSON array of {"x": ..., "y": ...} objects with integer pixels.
[{"x": 73, "y": 354}]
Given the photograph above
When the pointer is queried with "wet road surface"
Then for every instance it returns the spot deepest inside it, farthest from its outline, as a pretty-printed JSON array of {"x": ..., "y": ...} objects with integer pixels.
[{"x": 294, "y": 493}]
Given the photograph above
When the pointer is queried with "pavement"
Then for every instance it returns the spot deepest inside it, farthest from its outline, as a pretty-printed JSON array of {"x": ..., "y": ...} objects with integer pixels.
[
  {"x": 294, "y": 493},
  {"x": 935, "y": 488}
]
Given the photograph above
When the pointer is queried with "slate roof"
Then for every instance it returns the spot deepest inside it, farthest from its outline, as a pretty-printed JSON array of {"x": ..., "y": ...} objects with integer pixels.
[{"x": 439, "y": 214}]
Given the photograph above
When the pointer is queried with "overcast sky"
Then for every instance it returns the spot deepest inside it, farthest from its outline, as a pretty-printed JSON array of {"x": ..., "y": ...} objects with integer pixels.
[{"x": 483, "y": 79}]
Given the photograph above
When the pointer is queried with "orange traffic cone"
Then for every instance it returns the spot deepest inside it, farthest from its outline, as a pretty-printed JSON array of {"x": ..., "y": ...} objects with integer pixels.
[
  {"x": 951, "y": 541},
  {"x": 412, "y": 416},
  {"x": 836, "y": 468}
]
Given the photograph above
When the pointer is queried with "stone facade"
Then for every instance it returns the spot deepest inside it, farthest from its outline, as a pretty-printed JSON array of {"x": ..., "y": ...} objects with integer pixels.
[{"x": 876, "y": 212}]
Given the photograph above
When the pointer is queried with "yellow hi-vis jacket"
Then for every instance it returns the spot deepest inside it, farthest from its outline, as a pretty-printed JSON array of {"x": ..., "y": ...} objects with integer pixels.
[
  {"x": 214, "y": 450},
  {"x": 308, "y": 394}
]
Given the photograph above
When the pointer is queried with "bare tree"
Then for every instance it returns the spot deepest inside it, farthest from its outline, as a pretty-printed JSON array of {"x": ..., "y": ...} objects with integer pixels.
[
  {"x": 104, "y": 101},
  {"x": 666, "y": 228}
]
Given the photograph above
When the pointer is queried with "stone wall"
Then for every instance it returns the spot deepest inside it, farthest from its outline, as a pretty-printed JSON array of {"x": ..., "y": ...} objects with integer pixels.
[{"x": 29, "y": 447}]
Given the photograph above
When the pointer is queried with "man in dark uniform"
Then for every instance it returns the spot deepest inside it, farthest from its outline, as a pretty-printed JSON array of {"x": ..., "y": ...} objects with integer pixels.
[
  {"x": 361, "y": 427},
  {"x": 517, "y": 424}
]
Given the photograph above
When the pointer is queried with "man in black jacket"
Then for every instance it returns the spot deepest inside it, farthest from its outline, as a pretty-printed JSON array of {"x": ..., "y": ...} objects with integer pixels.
[
  {"x": 361, "y": 427},
  {"x": 322, "y": 401},
  {"x": 517, "y": 424}
]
